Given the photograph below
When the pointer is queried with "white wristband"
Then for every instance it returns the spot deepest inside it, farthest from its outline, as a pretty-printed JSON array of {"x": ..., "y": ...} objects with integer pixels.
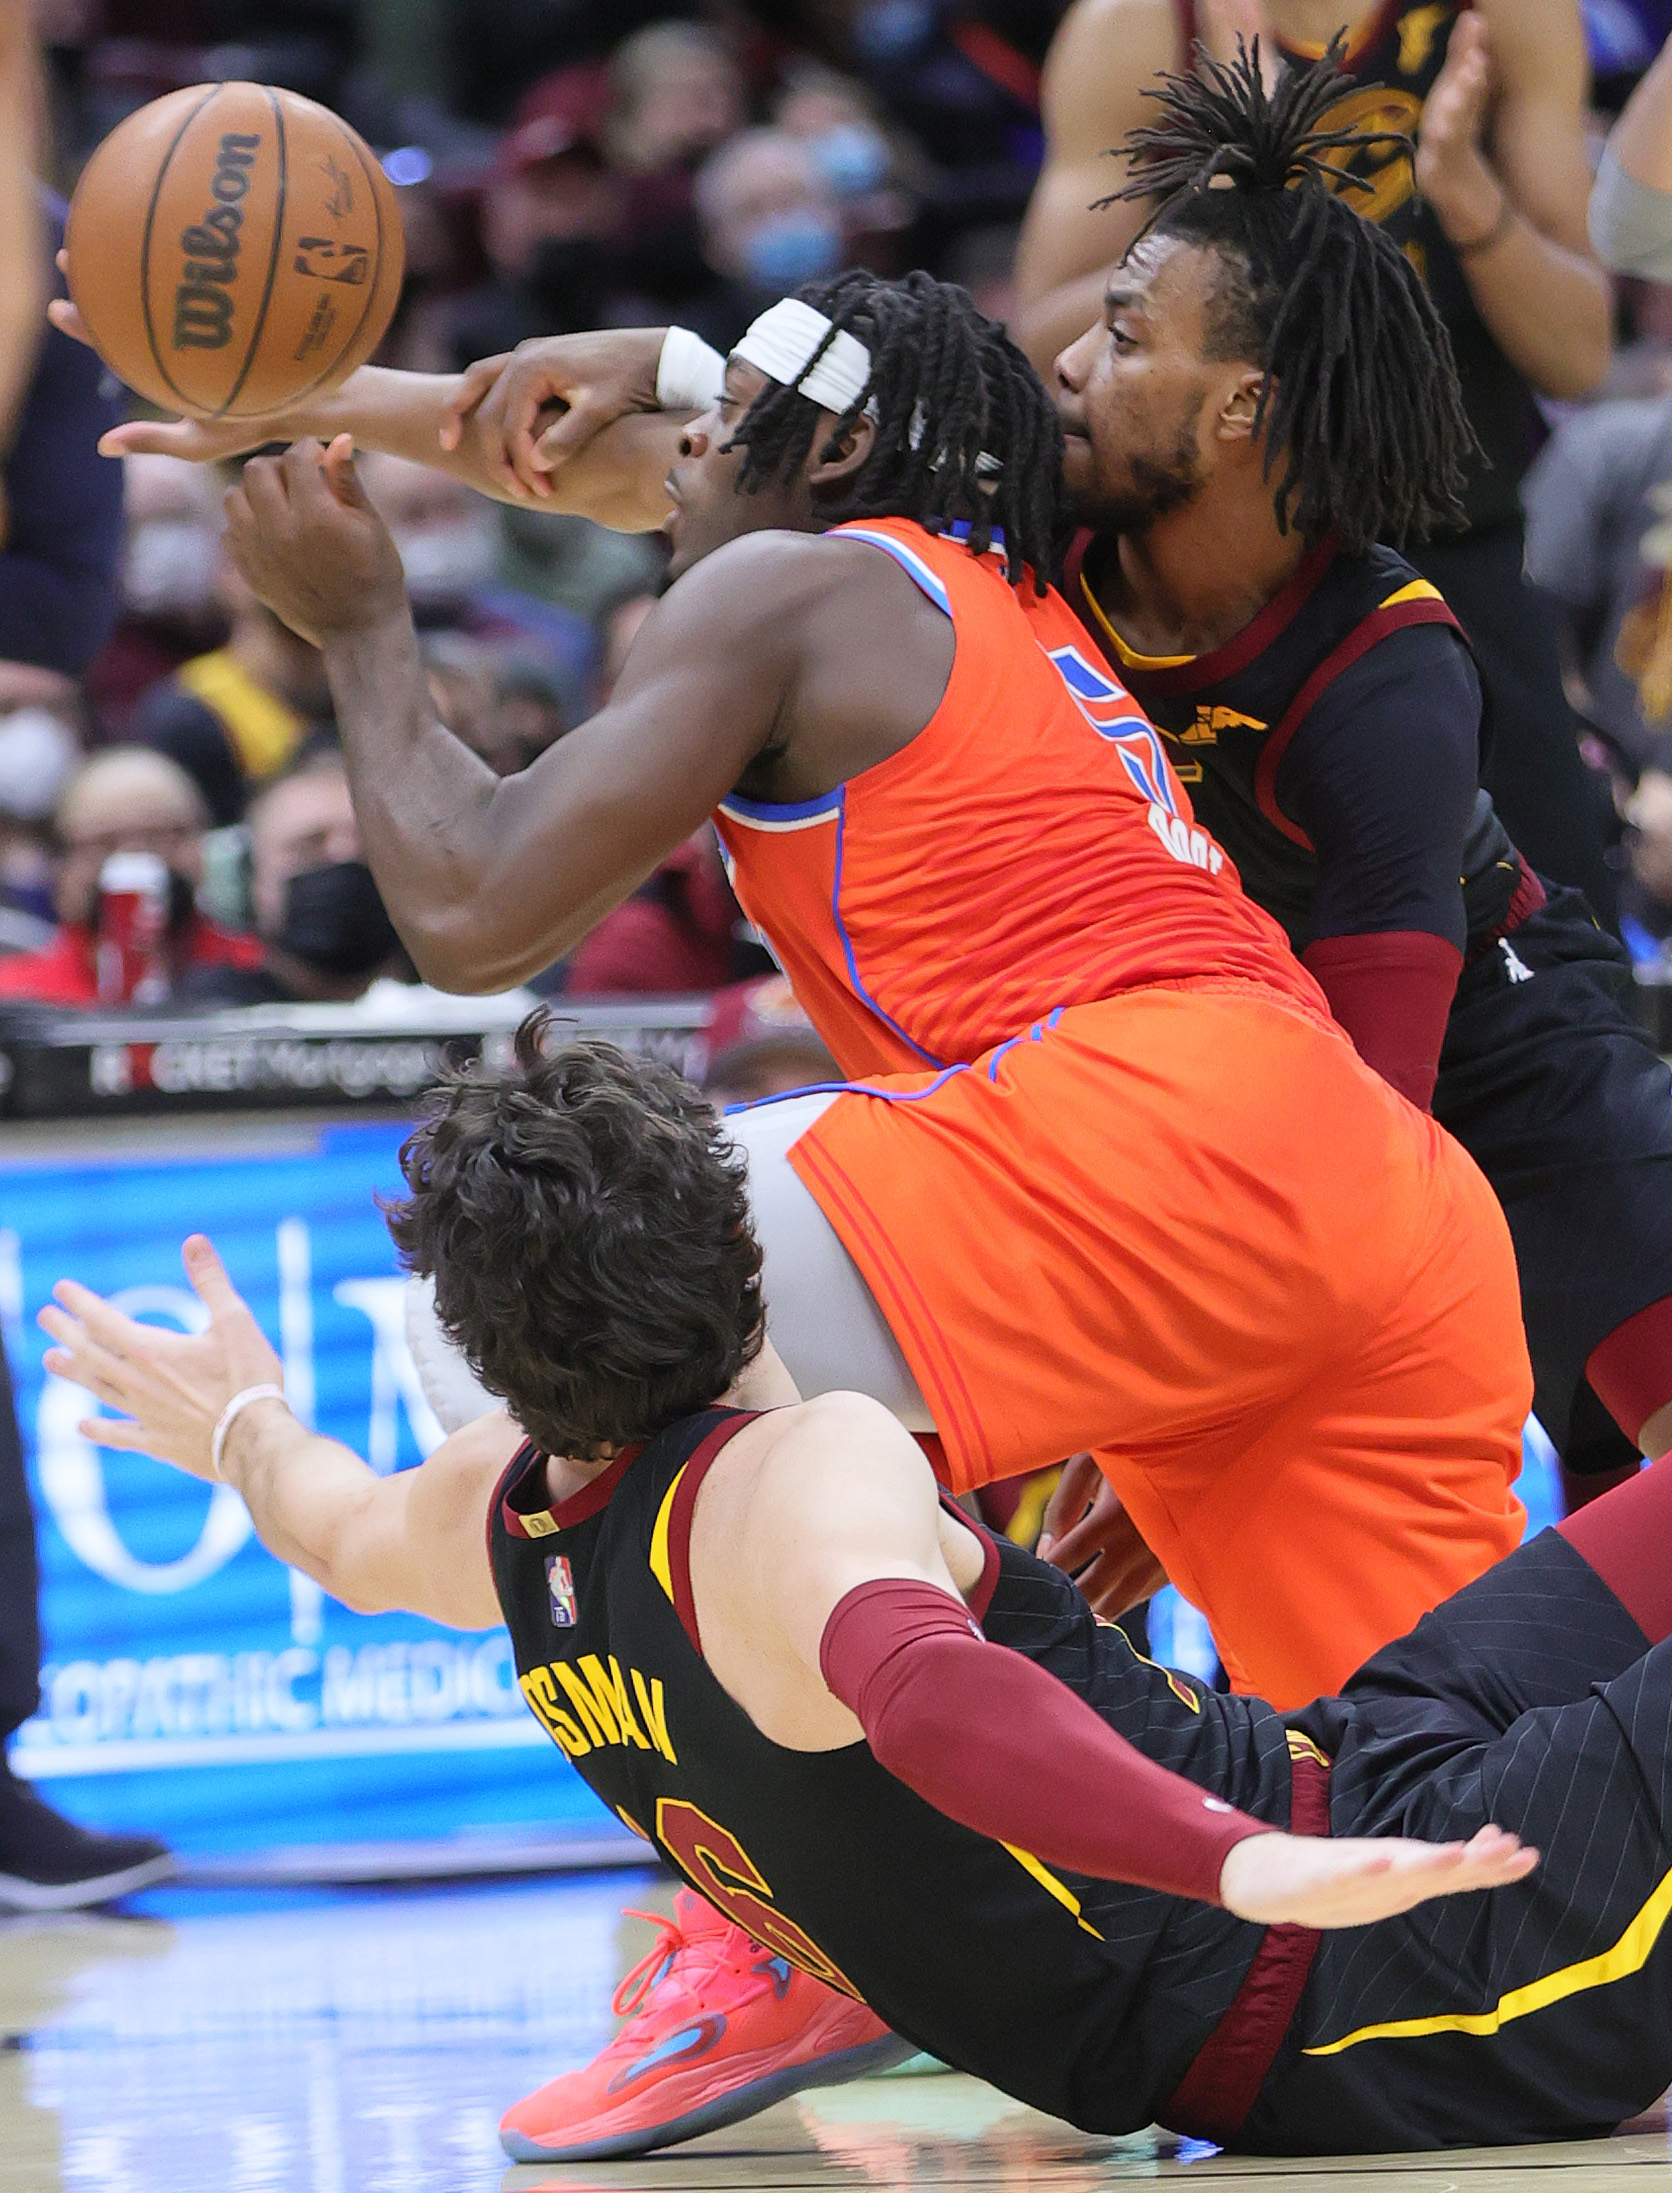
[
  {"x": 230, "y": 1415},
  {"x": 690, "y": 373}
]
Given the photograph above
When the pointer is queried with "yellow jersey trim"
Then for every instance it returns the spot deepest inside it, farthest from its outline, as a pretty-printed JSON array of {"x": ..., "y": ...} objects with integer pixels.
[
  {"x": 1628, "y": 1955},
  {"x": 1302, "y": 1747},
  {"x": 660, "y": 1566},
  {"x": 1419, "y": 590},
  {"x": 1129, "y": 655},
  {"x": 1048, "y": 1881}
]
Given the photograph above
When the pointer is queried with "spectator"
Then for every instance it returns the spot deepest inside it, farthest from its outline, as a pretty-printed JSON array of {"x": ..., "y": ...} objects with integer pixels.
[
  {"x": 40, "y": 748},
  {"x": 757, "y": 1042},
  {"x": 505, "y": 705},
  {"x": 449, "y": 541},
  {"x": 324, "y": 934},
  {"x": 238, "y": 715},
  {"x": 1646, "y": 894},
  {"x": 770, "y": 221},
  {"x": 1599, "y": 538},
  {"x": 553, "y": 222},
  {"x": 125, "y": 800},
  {"x": 675, "y": 96},
  {"x": 171, "y": 600}
]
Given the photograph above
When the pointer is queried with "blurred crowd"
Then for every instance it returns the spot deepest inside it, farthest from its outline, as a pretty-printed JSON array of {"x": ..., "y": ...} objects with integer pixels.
[{"x": 565, "y": 164}]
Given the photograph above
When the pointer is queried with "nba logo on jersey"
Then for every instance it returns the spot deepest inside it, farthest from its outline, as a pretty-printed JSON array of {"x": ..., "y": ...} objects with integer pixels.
[{"x": 561, "y": 1580}]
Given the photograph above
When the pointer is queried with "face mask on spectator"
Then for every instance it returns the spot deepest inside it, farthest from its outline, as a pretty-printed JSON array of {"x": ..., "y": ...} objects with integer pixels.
[
  {"x": 169, "y": 569},
  {"x": 38, "y": 752},
  {"x": 335, "y": 920},
  {"x": 792, "y": 248},
  {"x": 448, "y": 563},
  {"x": 852, "y": 157}
]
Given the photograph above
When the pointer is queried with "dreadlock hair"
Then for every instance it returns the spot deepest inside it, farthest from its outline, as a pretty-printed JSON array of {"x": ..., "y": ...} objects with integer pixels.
[
  {"x": 1361, "y": 398},
  {"x": 966, "y": 431}
]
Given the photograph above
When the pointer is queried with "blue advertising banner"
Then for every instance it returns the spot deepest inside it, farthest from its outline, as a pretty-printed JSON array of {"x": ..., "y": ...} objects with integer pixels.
[{"x": 193, "y": 1686}]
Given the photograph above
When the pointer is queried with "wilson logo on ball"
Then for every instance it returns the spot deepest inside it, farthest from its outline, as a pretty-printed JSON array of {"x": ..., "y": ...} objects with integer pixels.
[{"x": 203, "y": 301}]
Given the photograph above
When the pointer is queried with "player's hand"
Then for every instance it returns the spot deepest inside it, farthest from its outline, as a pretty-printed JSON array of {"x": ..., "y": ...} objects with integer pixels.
[
  {"x": 1310, "y": 1880},
  {"x": 1452, "y": 170},
  {"x": 199, "y": 441},
  {"x": 507, "y": 403},
  {"x": 1089, "y": 1536},
  {"x": 309, "y": 544},
  {"x": 170, "y": 1387}
]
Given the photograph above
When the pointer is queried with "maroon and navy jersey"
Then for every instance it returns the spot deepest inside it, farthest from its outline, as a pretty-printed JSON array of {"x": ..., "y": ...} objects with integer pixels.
[
  {"x": 1333, "y": 748},
  {"x": 1087, "y": 1998}
]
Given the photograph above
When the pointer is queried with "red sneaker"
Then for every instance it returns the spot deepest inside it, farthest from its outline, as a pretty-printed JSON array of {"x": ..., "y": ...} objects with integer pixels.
[{"x": 717, "y": 2028}]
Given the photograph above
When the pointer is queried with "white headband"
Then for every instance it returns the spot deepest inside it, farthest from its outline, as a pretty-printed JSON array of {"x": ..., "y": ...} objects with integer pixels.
[
  {"x": 784, "y": 338},
  {"x": 782, "y": 341}
]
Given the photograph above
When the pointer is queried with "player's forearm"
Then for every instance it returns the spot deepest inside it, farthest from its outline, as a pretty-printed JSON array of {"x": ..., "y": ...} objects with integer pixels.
[
  {"x": 481, "y": 894},
  {"x": 306, "y": 1496},
  {"x": 616, "y": 480},
  {"x": 421, "y": 799},
  {"x": 995, "y": 1742},
  {"x": 1548, "y": 308}
]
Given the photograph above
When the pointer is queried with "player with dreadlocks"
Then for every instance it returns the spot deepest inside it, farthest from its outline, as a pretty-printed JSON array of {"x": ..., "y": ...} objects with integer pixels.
[
  {"x": 1271, "y": 392},
  {"x": 1060, "y": 1203}
]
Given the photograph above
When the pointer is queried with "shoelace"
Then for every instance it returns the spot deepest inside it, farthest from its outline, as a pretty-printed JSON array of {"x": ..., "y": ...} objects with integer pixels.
[{"x": 638, "y": 1985}]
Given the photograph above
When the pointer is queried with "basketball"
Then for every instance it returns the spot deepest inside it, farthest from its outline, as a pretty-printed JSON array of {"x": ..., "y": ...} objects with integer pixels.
[{"x": 233, "y": 248}]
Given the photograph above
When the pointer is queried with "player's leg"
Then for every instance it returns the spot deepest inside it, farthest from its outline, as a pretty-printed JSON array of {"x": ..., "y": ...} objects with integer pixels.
[
  {"x": 1541, "y": 2012},
  {"x": 1377, "y": 1491},
  {"x": 1561, "y": 1099}
]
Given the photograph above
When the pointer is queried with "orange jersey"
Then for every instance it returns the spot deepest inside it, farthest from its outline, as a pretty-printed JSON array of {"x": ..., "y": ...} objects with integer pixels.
[{"x": 1030, "y": 850}]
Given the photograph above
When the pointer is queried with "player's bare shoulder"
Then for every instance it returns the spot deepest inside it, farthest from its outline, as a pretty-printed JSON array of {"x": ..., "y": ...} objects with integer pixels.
[{"x": 1103, "y": 52}]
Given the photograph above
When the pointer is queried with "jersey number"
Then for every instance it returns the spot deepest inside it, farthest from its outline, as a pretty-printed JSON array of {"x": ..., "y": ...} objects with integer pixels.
[
  {"x": 718, "y": 1867},
  {"x": 1107, "y": 707}
]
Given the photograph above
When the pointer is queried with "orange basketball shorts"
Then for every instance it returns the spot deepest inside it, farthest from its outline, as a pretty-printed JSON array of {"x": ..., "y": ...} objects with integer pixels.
[{"x": 1189, "y": 1230}]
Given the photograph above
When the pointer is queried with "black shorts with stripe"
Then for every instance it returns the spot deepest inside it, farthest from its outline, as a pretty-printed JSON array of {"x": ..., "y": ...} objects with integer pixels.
[
  {"x": 1559, "y": 1097},
  {"x": 1543, "y": 2011}
]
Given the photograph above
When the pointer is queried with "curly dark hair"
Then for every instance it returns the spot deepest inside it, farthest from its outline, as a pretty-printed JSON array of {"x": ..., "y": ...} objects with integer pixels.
[
  {"x": 1361, "y": 405},
  {"x": 586, "y": 1222},
  {"x": 966, "y": 429}
]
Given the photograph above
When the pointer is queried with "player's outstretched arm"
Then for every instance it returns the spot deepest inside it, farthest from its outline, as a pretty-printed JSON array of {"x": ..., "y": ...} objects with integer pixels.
[
  {"x": 436, "y": 419},
  {"x": 488, "y": 880},
  {"x": 414, "y": 1541},
  {"x": 842, "y": 1522}
]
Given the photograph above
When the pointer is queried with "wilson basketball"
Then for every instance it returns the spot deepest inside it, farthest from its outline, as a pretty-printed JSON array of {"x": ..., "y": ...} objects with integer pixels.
[{"x": 232, "y": 249}]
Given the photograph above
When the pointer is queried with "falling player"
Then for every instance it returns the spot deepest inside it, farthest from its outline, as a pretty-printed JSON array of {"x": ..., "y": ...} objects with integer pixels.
[{"x": 903, "y": 1755}]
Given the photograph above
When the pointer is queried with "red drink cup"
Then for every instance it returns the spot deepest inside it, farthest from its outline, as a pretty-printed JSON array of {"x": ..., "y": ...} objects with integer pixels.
[{"x": 132, "y": 929}]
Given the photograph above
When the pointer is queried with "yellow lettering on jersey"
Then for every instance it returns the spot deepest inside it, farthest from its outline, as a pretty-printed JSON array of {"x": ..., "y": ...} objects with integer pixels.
[
  {"x": 1189, "y": 772},
  {"x": 603, "y": 1702},
  {"x": 541, "y": 1692},
  {"x": 653, "y": 1705},
  {"x": 1048, "y": 1881},
  {"x": 1416, "y": 37}
]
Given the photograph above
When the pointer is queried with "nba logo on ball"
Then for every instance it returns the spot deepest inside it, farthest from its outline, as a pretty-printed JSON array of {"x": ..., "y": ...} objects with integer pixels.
[{"x": 561, "y": 1580}]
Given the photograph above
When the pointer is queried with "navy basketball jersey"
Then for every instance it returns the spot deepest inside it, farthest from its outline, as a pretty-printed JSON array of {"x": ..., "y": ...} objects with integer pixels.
[{"x": 1085, "y": 1998}]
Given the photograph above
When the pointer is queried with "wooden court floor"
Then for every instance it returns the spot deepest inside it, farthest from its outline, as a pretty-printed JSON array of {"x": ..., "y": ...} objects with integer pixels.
[{"x": 366, "y": 2042}]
